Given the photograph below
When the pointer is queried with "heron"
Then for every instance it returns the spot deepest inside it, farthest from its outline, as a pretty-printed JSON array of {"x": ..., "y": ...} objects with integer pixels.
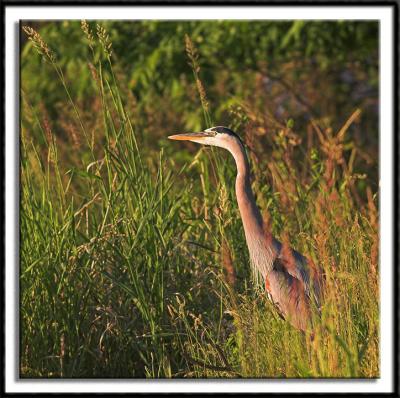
[{"x": 292, "y": 282}]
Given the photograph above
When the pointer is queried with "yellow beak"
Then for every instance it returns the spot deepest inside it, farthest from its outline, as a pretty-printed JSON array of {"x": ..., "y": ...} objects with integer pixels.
[{"x": 190, "y": 136}]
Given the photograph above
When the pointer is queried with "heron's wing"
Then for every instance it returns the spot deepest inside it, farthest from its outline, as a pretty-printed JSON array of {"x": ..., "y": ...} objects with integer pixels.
[
  {"x": 298, "y": 267},
  {"x": 291, "y": 260},
  {"x": 288, "y": 294}
]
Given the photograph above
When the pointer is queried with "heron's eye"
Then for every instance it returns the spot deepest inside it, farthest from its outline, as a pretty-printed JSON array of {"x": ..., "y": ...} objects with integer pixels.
[{"x": 217, "y": 130}]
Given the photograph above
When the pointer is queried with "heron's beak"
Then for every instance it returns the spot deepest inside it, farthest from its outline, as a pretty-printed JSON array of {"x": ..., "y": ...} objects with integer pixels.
[{"x": 191, "y": 136}]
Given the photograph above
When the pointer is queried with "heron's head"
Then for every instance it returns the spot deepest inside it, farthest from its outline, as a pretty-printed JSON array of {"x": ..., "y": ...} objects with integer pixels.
[{"x": 216, "y": 136}]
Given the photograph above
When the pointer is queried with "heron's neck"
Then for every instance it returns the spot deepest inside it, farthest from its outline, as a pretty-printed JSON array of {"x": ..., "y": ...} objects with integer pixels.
[
  {"x": 251, "y": 216},
  {"x": 261, "y": 249}
]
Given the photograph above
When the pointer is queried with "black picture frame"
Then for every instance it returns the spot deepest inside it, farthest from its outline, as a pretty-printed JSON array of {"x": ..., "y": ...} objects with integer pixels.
[{"x": 172, "y": 3}]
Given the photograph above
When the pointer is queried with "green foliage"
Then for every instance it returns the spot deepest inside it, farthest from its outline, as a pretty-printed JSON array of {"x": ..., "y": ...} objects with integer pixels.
[{"x": 128, "y": 241}]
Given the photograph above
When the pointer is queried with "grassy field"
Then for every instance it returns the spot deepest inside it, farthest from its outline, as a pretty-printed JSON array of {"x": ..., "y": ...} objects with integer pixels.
[{"x": 133, "y": 256}]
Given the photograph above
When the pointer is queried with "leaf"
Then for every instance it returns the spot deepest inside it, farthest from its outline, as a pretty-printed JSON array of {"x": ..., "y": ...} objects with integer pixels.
[
  {"x": 83, "y": 174},
  {"x": 294, "y": 33}
]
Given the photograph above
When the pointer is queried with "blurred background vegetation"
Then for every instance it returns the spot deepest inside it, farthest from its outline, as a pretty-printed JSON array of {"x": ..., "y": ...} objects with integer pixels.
[
  {"x": 283, "y": 70},
  {"x": 133, "y": 259}
]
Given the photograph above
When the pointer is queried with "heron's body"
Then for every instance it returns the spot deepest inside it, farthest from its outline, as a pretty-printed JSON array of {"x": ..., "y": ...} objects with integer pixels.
[{"x": 286, "y": 273}]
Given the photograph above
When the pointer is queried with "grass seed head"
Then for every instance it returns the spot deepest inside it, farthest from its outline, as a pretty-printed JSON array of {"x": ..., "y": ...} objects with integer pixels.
[
  {"x": 104, "y": 39},
  {"x": 40, "y": 45}
]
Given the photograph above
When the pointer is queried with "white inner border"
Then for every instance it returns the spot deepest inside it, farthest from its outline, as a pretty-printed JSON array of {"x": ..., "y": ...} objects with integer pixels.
[{"x": 382, "y": 13}]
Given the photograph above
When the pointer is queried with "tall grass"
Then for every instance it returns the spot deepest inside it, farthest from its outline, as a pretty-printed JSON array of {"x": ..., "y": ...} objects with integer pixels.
[{"x": 134, "y": 265}]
